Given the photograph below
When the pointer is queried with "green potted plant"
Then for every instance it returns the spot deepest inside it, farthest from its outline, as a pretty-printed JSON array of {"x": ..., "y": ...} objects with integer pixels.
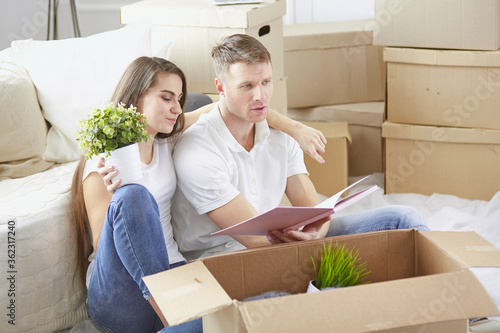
[
  {"x": 338, "y": 267},
  {"x": 113, "y": 133}
]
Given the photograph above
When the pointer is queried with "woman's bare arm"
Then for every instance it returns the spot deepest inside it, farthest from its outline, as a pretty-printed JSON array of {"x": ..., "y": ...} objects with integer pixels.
[{"x": 310, "y": 140}]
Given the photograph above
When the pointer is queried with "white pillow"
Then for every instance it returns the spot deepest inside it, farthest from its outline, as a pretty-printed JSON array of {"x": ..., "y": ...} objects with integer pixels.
[
  {"x": 22, "y": 129},
  {"x": 73, "y": 75}
]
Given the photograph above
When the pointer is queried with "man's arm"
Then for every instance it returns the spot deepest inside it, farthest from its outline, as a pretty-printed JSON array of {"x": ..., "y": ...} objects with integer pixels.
[
  {"x": 300, "y": 192},
  {"x": 193, "y": 116},
  {"x": 310, "y": 140}
]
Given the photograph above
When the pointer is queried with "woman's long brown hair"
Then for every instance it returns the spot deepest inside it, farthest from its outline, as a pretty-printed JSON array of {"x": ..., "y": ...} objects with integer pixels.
[
  {"x": 80, "y": 223},
  {"x": 139, "y": 76}
]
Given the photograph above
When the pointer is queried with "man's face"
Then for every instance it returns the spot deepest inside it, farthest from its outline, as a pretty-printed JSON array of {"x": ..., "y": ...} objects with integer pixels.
[{"x": 248, "y": 90}]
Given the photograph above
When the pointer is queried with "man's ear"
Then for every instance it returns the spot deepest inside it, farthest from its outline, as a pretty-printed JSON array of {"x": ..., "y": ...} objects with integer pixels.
[{"x": 220, "y": 86}]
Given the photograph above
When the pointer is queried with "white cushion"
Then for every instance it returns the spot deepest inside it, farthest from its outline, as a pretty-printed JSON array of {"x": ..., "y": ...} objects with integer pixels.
[
  {"x": 73, "y": 75},
  {"x": 48, "y": 297},
  {"x": 22, "y": 129}
]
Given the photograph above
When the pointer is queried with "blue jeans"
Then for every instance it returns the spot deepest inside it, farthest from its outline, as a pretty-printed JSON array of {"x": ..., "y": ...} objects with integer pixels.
[
  {"x": 384, "y": 218},
  {"x": 131, "y": 246}
]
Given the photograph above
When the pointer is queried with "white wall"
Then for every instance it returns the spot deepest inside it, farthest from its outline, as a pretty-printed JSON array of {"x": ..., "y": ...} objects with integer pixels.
[{"x": 23, "y": 19}]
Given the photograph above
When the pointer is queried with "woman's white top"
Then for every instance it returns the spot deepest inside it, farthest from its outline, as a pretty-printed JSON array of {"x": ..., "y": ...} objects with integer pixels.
[{"x": 159, "y": 178}]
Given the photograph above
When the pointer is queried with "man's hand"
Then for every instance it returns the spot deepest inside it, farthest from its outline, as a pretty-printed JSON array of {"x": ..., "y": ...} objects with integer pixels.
[
  {"x": 312, "y": 142},
  {"x": 309, "y": 232},
  {"x": 107, "y": 173}
]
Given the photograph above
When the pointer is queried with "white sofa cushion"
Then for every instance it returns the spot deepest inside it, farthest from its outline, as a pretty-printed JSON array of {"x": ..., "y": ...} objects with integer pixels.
[
  {"x": 73, "y": 75},
  {"x": 22, "y": 129},
  {"x": 48, "y": 297}
]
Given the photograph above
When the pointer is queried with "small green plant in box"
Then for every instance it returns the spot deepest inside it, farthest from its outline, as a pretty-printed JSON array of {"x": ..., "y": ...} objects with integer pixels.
[
  {"x": 339, "y": 268},
  {"x": 111, "y": 128}
]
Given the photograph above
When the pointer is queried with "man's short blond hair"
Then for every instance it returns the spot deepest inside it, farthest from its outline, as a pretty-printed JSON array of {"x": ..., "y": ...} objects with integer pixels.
[{"x": 238, "y": 48}]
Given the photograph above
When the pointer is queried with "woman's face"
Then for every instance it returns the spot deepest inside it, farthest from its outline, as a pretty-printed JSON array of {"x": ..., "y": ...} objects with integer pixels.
[{"x": 161, "y": 103}]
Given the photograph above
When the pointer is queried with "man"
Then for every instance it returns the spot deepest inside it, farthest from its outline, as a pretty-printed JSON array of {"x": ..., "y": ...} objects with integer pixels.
[{"x": 231, "y": 166}]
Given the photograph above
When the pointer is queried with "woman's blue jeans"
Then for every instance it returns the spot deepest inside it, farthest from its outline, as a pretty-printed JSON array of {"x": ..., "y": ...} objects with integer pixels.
[
  {"x": 384, "y": 218},
  {"x": 131, "y": 246}
]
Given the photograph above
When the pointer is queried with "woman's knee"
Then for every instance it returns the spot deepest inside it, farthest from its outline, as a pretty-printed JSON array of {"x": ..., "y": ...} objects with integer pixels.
[
  {"x": 132, "y": 193},
  {"x": 134, "y": 201}
]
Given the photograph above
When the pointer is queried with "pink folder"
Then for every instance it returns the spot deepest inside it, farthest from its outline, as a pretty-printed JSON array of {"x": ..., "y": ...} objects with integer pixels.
[{"x": 288, "y": 218}]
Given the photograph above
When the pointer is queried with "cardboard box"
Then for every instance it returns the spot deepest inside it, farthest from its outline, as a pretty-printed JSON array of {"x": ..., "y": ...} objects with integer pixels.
[
  {"x": 197, "y": 25},
  {"x": 426, "y": 159},
  {"x": 278, "y": 102},
  {"x": 419, "y": 282},
  {"x": 332, "y": 176},
  {"x": 332, "y": 63},
  {"x": 442, "y": 24},
  {"x": 365, "y": 125},
  {"x": 443, "y": 87}
]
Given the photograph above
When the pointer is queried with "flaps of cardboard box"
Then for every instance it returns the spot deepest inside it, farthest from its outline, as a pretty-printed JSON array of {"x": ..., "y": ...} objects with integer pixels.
[
  {"x": 326, "y": 35},
  {"x": 332, "y": 129},
  {"x": 440, "y": 134},
  {"x": 186, "y": 292},
  {"x": 365, "y": 114},
  {"x": 202, "y": 13},
  {"x": 468, "y": 248},
  {"x": 442, "y": 57},
  {"x": 373, "y": 307}
]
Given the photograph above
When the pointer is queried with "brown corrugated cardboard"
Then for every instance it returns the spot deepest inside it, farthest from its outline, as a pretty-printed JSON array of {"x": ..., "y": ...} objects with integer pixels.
[
  {"x": 416, "y": 283},
  {"x": 365, "y": 125},
  {"x": 332, "y": 176},
  {"x": 196, "y": 25},
  {"x": 332, "y": 63},
  {"x": 427, "y": 159},
  {"x": 443, "y": 87},
  {"x": 442, "y": 24}
]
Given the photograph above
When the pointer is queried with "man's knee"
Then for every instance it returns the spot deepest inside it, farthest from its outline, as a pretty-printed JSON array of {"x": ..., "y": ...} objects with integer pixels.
[{"x": 409, "y": 218}]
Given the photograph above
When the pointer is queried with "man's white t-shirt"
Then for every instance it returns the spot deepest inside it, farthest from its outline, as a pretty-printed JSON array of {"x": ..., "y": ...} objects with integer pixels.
[
  {"x": 159, "y": 178},
  {"x": 213, "y": 168}
]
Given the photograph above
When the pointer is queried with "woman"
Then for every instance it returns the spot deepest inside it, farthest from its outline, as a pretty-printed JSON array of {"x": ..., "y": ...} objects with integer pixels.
[{"x": 129, "y": 232}]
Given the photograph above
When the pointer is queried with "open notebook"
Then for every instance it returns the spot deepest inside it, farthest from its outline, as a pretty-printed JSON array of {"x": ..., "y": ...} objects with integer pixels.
[{"x": 287, "y": 218}]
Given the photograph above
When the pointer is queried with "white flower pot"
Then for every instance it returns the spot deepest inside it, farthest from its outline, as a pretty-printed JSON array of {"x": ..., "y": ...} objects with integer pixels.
[
  {"x": 127, "y": 161},
  {"x": 311, "y": 288}
]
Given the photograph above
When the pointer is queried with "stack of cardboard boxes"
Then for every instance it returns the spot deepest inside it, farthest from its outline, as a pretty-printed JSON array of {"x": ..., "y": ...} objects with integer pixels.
[
  {"x": 314, "y": 65},
  {"x": 336, "y": 77},
  {"x": 442, "y": 133}
]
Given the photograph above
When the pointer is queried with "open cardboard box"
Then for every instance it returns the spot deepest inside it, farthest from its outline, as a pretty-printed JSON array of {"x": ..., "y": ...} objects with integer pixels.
[{"x": 420, "y": 283}]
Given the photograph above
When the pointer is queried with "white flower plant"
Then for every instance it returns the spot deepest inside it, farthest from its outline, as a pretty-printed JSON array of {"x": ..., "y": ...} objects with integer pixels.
[{"x": 104, "y": 131}]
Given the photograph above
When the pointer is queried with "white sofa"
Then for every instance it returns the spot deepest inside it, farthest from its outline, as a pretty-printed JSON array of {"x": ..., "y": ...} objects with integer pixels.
[{"x": 45, "y": 86}]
